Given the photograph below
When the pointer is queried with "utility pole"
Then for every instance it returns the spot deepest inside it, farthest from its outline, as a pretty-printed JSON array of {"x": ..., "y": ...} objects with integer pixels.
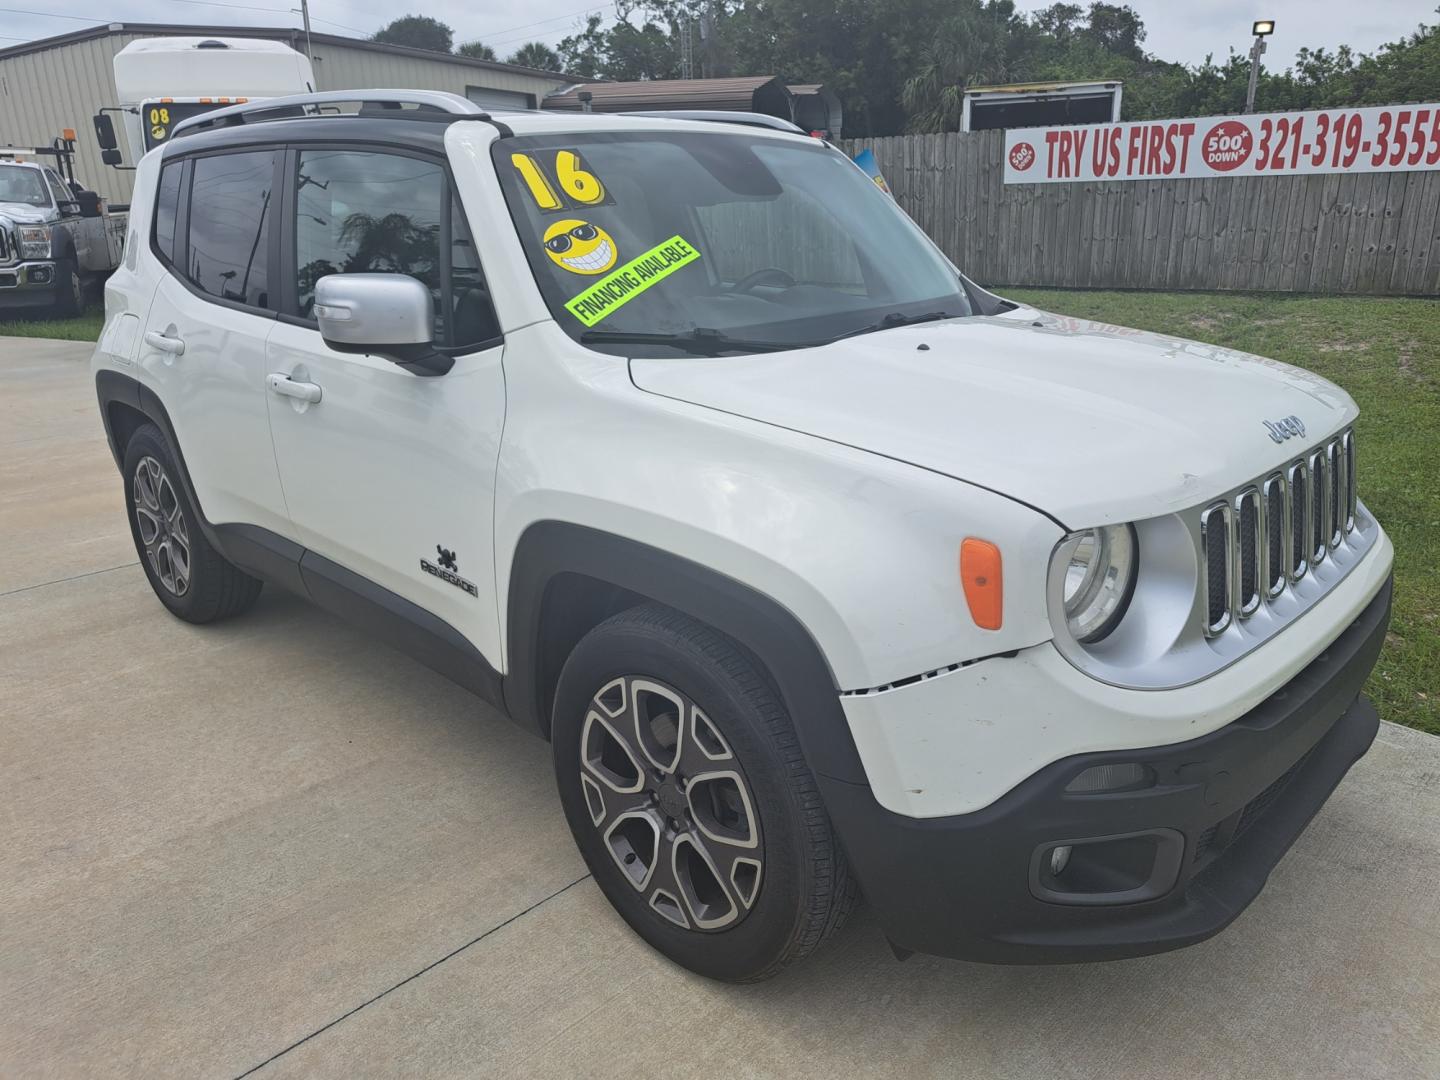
[
  {"x": 305, "y": 17},
  {"x": 707, "y": 41},
  {"x": 1262, "y": 29}
]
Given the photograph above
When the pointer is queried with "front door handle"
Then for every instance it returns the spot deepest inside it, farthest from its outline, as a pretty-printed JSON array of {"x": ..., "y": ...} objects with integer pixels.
[
  {"x": 288, "y": 387},
  {"x": 164, "y": 343}
]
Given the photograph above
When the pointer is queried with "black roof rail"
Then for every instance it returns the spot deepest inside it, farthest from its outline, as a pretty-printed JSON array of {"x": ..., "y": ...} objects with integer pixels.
[
  {"x": 429, "y": 105},
  {"x": 723, "y": 116}
]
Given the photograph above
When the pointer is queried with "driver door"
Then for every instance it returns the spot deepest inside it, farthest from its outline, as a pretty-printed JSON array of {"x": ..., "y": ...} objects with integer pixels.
[{"x": 388, "y": 471}]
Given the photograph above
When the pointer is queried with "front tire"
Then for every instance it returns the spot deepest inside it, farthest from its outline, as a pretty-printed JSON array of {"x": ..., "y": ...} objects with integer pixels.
[
  {"x": 188, "y": 575},
  {"x": 689, "y": 797},
  {"x": 69, "y": 290}
]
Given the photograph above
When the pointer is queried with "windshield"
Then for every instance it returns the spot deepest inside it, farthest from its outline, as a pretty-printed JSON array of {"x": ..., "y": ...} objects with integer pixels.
[
  {"x": 741, "y": 241},
  {"x": 21, "y": 185}
]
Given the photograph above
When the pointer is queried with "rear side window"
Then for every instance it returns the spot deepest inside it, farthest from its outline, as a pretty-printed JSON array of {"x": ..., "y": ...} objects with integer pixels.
[
  {"x": 167, "y": 207},
  {"x": 229, "y": 226},
  {"x": 370, "y": 212}
]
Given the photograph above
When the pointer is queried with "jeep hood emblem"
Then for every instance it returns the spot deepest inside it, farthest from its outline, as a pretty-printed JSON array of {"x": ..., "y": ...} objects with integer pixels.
[{"x": 1282, "y": 429}]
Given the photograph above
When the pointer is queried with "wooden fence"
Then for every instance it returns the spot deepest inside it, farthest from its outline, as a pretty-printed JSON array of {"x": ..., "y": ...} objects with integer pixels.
[{"x": 1366, "y": 233}]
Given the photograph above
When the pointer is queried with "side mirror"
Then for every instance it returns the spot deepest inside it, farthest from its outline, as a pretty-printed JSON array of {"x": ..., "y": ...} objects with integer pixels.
[
  {"x": 111, "y": 156},
  {"x": 389, "y": 315},
  {"x": 105, "y": 135}
]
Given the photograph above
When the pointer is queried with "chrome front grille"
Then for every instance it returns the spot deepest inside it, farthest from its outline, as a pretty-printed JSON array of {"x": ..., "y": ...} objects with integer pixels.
[
  {"x": 1275, "y": 532},
  {"x": 4, "y": 244}
]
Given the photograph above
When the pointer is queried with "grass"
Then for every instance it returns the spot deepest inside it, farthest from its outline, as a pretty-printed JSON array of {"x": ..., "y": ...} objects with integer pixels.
[
  {"x": 84, "y": 327},
  {"x": 1386, "y": 353}
]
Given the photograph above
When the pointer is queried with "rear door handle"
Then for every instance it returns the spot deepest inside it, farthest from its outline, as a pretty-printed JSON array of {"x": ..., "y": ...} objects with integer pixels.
[
  {"x": 288, "y": 387},
  {"x": 157, "y": 340}
]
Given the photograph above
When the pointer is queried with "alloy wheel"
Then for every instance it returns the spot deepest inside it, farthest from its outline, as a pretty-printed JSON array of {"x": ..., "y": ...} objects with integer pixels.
[
  {"x": 671, "y": 804},
  {"x": 163, "y": 532}
]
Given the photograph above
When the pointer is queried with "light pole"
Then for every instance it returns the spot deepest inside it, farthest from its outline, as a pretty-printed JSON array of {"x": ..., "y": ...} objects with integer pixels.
[{"x": 1262, "y": 29}]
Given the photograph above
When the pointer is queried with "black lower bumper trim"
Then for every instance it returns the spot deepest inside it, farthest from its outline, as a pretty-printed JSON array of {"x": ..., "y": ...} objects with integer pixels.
[{"x": 964, "y": 886}]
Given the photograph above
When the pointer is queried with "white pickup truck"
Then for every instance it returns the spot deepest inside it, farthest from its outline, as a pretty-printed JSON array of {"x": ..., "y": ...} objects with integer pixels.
[{"x": 55, "y": 236}]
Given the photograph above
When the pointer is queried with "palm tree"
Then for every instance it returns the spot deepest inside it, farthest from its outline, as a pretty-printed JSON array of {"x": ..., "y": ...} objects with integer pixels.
[
  {"x": 967, "y": 50},
  {"x": 536, "y": 55},
  {"x": 392, "y": 244},
  {"x": 476, "y": 50}
]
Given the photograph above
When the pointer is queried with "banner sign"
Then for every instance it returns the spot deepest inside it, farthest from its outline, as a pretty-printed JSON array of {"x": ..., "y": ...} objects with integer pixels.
[{"x": 1389, "y": 138}]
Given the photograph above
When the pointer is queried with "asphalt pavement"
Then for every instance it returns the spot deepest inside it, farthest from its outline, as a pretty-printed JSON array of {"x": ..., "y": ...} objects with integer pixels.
[{"x": 275, "y": 848}]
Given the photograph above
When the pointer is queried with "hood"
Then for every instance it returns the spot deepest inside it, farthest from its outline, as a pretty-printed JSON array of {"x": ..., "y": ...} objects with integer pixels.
[
  {"x": 1091, "y": 423},
  {"x": 24, "y": 214}
]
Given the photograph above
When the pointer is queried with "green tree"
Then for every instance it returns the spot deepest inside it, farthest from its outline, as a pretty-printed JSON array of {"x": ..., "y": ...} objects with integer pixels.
[
  {"x": 643, "y": 43},
  {"x": 971, "y": 47},
  {"x": 538, "y": 55},
  {"x": 418, "y": 32},
  {"x": 899, "y": 64},
  {"x": 476, "y": 50}
]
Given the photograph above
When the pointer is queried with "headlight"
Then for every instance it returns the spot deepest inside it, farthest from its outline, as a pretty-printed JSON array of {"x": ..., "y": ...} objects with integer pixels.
[
  {"x": 1099, "y": 574},
  {"x": 34, "y": 242}
]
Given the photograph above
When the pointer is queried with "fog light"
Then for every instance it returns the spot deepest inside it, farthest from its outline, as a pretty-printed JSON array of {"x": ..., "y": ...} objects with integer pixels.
[
  {"x": 39, "y": 274},
  {"x": 1059, "y": 859},
  {"x": 1098, "y": 778}
]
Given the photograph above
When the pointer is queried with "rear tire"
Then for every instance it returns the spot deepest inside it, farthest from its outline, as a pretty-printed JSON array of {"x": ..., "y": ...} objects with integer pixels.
[
  {"x": 189, "y": 576},
  {"x": 690, "y": 799}
]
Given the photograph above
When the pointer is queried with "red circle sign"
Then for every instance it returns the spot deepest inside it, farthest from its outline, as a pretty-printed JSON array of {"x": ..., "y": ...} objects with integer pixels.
[
  {"x": 1227, "y": 145},
  {"x": 1022, "y": 156}
]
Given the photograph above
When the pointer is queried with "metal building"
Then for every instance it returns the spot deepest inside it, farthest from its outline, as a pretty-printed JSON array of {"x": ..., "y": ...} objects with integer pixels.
[{"x": 61, "y": 82}]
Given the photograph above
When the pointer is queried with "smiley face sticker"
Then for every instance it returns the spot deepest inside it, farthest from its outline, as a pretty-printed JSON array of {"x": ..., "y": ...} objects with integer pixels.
[{"x": 580, "y": 247}]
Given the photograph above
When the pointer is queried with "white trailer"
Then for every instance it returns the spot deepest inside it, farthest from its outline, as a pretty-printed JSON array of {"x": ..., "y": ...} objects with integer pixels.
[{"x": 161, "y": 81}]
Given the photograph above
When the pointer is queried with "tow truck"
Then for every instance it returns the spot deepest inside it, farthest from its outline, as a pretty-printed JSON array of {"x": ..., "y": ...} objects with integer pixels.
[
  {"x": 164, "y": 81},
  {"x": 56, "y": 237}
]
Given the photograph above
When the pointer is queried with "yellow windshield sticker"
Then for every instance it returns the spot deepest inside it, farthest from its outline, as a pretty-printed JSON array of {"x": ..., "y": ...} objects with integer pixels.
[
  {"x": 580, "y": 247},
  {"x": 632, "y": 279},
  {"x": 573, "y": 179}
]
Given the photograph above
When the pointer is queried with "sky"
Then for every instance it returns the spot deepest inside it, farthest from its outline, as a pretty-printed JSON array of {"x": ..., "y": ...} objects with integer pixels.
[{"x": 1183, "y": 30}]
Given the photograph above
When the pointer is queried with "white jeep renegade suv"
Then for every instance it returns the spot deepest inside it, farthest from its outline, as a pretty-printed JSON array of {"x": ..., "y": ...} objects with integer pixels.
[{"x": 825, "y": 571}]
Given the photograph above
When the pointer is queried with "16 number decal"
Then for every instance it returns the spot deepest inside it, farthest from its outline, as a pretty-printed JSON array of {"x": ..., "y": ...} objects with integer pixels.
[{"x": 574, "y": 180}]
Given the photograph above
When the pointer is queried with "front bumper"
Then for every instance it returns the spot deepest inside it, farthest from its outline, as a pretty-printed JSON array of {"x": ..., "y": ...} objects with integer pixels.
[
  {"x": 1222, "y": 810},
  {"x": 27, "y": 284}
]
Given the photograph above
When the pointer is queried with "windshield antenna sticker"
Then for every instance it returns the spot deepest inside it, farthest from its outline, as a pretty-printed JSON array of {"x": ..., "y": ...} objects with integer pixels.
[
  {"x": 580, "y": 247},
  {"x": 632, "y": 279}
]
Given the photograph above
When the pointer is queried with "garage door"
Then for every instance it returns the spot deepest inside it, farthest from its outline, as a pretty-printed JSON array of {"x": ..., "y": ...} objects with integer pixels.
[{"x": 505, "y": 100}]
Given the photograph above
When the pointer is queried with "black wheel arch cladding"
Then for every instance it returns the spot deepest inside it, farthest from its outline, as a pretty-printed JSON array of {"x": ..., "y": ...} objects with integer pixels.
[{"x": 773, "y": 635}]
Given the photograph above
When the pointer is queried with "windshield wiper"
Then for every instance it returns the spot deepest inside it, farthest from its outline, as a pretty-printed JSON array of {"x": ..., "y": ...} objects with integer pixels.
[
  {"x": 701, "y": 341},
  {"x": 894, "y": 319}
]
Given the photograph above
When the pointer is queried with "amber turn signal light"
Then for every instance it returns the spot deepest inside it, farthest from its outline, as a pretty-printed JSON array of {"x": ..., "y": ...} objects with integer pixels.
[{"x": 980, "y": 572}]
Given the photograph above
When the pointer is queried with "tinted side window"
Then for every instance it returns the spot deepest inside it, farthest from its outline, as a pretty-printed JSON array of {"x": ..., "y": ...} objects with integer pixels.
[
  {"x": 229, "y": 226},
  {"x": 58, "y": 191},
  {"x": 167, "y": 206},
  {"x": 361, "y": 212}
]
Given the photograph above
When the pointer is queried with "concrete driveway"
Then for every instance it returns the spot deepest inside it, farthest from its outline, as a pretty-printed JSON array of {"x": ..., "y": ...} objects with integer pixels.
[{"x": 272, "y": 847}]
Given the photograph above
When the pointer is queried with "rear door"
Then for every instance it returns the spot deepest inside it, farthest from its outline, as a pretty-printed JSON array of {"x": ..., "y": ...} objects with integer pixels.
[
  {"x": 203, "y": 347},
  {"x": 389, "y": 473}
]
